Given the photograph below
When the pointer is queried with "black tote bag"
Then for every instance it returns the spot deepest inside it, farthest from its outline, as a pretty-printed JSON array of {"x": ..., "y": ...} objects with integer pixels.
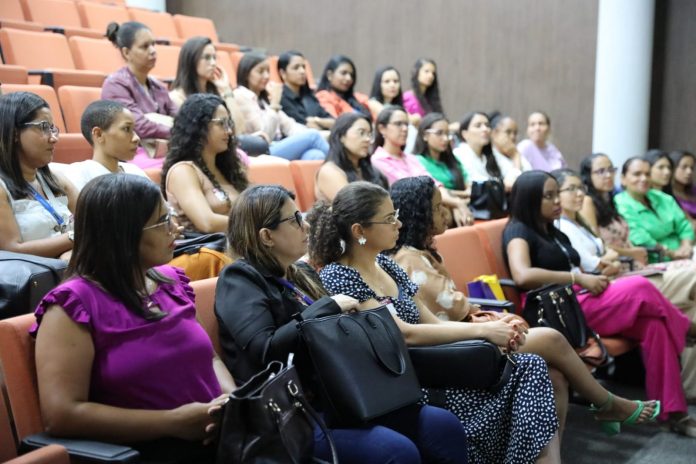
[{"x": 362, "y": 365}]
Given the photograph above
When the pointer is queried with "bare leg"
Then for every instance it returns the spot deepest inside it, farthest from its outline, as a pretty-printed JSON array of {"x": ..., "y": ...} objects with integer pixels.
[
  {"x": 552, "y": 453},
  {"x": 554, "y": 348},
  {"x": 560, "y": 393}
]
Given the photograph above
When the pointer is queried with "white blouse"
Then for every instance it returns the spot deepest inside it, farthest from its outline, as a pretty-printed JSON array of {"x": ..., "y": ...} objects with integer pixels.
[{"x": 589, "y": 247}]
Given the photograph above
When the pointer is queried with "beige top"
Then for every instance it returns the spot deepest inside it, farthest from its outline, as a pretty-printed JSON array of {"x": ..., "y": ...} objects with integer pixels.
[
  {"x": 435, "y": 286},
  {"x": 213, "y": 196}
]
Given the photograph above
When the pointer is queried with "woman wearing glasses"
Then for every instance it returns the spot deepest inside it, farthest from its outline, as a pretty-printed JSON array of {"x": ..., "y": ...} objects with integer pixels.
[
  {"x": 35, "y": 204},
  {"x": 257, "y": 300},
  {"x": 106, "y": 366},
  {"x": 203, "y": 173},
  {"x": 349, "y": 157}
]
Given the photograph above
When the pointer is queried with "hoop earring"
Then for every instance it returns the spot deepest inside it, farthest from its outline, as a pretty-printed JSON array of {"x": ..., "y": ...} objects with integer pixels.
[{"x": 362, "y": 241}]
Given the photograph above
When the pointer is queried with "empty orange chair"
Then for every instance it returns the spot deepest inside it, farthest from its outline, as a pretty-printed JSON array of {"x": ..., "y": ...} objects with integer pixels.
[
  {"x": 271, "y": 171},
  {"x": 49, "y": 54},
  {"x": 161, "y": 24},
  {"x": 95, "y": 54},
  {"x": 97, "y": 16},
  {"x": 190, "y": 26},
  {"x": 463, "y": 255},
  {"x": 304, "y": 174},
  {"x": 59, "y": 16},
  {"x": 13, "y": 74},
  {"x": 73, "y": 101},
  {"x": 12, "y": 15},
  {"x": 205, "y": 303},
  {"x": 167, "y": 61}
]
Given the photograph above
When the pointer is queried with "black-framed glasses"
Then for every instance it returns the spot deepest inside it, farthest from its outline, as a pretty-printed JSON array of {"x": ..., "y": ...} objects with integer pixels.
[
  {"x": 225, "y": 123},
  {"x": 166, "y": 222},
  {"x": 390, "y": 221},
  {"x": 297, "y": 216},
  {"x": 46, "y": 127},
  {"x": 575, "y": 189},
  {"x": 605, "y": 171}
]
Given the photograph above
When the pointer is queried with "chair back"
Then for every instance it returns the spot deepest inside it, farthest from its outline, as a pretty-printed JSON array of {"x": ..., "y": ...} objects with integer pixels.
[
  {"x": 95, "y": 54},
  {"x": 45, "y": 92},
  {"x": 463, "y": 255},
  {"x": 304, "y": 175},
  {"x": 271, "y": 172},
  {"x": 190, "y": 26},
  {"x": 74, "y": 100},
  {"x": 52, "y": 12},
  {"x": 205, "y": 304},
  {"x": 160, "y": 23},
  {"x": 13, "y": 74},
  {"x": 167, "y": 62},
  {"x": 11, "y": 9},
  {"x": 97, "y": 16},
  {"x": 35, "y": 50}
]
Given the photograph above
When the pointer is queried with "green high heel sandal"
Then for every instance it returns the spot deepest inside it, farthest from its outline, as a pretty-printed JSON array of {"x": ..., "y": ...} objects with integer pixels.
[{"x": 612, "y": 427}]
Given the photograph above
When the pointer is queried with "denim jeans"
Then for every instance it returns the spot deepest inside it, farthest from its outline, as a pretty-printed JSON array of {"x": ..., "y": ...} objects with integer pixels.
[{"x": 307, "y": 145}]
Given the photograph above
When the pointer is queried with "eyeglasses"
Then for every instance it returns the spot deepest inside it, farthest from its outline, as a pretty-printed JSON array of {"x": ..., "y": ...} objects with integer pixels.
[
  {"x": 364, "y": 134},
  {"x": 46, "y": 127},
  {"x": 166, "y": 222},
  {"x": 574, "y": 189},
  {"x": 297, "y": 216},
  {"x": 604, "y": 171},
  {"x": 439, "y": 133},
  {"x": 390, "y": 221},
  {"x": 399, "y": 124},
  {"x": 225, "y": 123}
]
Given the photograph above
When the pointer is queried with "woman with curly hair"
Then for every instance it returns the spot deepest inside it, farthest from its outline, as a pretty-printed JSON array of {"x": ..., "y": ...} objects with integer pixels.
[
  {"x": 203, "y": 173},
  {"x": 349, "y": 157}
]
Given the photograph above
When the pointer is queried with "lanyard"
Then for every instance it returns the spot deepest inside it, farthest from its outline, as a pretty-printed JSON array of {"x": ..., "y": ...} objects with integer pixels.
[
  {"x": 287, "y": 284},
  {"x": 37, "y": 196}
]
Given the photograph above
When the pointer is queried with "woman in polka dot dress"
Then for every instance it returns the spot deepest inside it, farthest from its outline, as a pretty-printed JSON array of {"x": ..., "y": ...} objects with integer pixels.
[{"x": 517, "y": 424}]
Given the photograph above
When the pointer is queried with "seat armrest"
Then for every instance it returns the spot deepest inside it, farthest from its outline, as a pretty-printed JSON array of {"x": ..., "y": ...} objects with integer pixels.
[
  {"x": 507, "y": 283},
  {"x": 494, "y": 305},
  {"x": 92, "y": 451}
]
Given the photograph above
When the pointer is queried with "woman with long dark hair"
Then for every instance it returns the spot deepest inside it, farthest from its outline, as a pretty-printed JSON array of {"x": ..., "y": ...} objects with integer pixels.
[
  {"x": 424, "y": 96},
  {"x": 386, "y": 90},
  {"x": 336, "y": 87},
  {"x": 683, "y": 181},
  {"x": 476, "y": 152}
]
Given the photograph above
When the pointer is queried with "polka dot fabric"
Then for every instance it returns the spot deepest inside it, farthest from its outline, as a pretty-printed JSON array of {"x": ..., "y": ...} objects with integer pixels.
[{"x": 512, "y": 425}]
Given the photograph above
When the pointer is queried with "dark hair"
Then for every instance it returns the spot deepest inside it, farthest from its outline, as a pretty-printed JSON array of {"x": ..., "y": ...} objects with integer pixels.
[
  {"x": 492, "y": 167},
  {"x": 189, "y": 135},
  {"x": 376, "y": 91},
  {"x": 186, "y": 69},
  {"x": 101, "y": 114},
  {"x": 123, "y": 35},
  {"x": 284, "y": 60},
  {"x": 382, "y": 120},
  {"x": 246, "y": 64},
  {"x": 676, "y": 156},
  {"x": 653, "y": 156},
  {"x": 329, "y": 224},
  {"x": 446, "y": 157},
  {"x": 349, "y": 96},
  {"x": 561, "y": 175},
  {"x": 604, "y": 207},
  {"x": 525, "y": 200},
  {"x": 16, "y": 109},
  {"x": 257, "y": 208},
  {"x": 413, "y": 197},
  {"x": 109, "y": 219},
  {"x": 627, "y": 163},
  {"x": 338, "y": 155},
  {"x": 430, "y": 100}
]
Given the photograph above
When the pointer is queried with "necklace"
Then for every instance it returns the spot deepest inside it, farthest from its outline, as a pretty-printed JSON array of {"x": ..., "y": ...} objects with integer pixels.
[{"x": 220, "y": 193}]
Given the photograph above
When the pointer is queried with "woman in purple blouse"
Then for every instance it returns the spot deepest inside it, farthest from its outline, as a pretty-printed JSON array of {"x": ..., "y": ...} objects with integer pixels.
[{"x": 120, "y": 356}]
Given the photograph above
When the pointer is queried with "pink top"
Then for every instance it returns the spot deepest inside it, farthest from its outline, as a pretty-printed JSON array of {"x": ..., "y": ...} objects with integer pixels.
[
  {"x": 395, "y": 168},
  {"x": 138, "y": 363},
  {"x": 412, "y": 105}
]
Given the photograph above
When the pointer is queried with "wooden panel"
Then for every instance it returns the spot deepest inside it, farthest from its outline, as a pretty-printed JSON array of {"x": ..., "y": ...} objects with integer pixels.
[{"x": 513, "y": 56}]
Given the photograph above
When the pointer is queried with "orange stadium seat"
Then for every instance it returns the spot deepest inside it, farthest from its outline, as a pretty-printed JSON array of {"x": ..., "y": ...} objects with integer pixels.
[
  {"x": 74, "y": 100},
  {"x": 205, "y": 303},
  {"x": 190, "y": 26},
  {"x": 95, "y": 54},
  {"x": 304, "y": 175},
  {"x": 97, "y": 15},
  {"x": 236, "y": 57},
  {"x": 225, "y": 62},
  {"x": 273, "y": 69},
  {"x": 13, "y": 74},
  {"x": 167, "y": 61},
  {"x": 47, "y": 54},
  {"x": 47, "y": 93},
  {"x": 161, "y": 24},
  {"x": 269, "y": 170},
  {"x": 59, "y": 16},
  {"x": 12, "y": 15}
]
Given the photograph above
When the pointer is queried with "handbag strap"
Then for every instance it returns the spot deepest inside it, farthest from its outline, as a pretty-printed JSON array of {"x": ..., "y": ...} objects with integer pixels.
[
  {"x": 312, "y": 416},
  {"x": 504, "y": 376}
]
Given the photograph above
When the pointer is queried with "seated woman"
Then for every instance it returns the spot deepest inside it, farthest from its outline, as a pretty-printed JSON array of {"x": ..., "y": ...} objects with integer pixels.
[
  {"x": 298, "y": 100},
  {"x": 198, "y": 72},
  {"x": 105, "y": 365},
  {"x": 424, "y": 96},
  {"x": 537, "y": 149},
  {"x": 504, "y": 141},
  {"x": 654, "y": 218},
  {"x": 475, "y": 152},
  {"x": 434, "y": 151},
  {"x": 110, "y": 128},
  {"x": 421, "y": 216},
  {"x": 35, "y": 204},
  {"x": 335, "y": 90},
  {"x": 683, "y": 182},
  {"x": 202, "y": 174},
  {"x": 661, "y": 169},
  {"x": 388, "y": 156},
  {"x": 362, "y": 221},
  {"x": 538, "y": 253},
  {"x": 256, "y": 300},
  {"x": 264, "y": 117},
  {"x": 349, "y": 157},
  {"x": 386, "y": 90},
  {"x": 145, "y": 97}
]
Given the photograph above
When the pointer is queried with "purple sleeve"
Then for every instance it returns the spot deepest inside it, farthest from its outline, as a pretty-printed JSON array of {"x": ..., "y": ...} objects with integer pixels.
[
  {"x": 181, "y": 282},
  {"x": 67, "y": 298}
]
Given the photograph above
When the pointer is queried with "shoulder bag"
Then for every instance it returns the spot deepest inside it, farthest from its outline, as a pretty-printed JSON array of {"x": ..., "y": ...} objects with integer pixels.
[
  {"x": 362, "y": 365},
  {"x": 268, "y": 420},
  {"x": 488, "y": 199}
]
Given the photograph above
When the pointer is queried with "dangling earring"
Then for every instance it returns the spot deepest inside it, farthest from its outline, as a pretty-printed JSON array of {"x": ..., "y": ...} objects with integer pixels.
[
  {"x": 342, "y": 244},
  {"x": 362, "y": 241}
]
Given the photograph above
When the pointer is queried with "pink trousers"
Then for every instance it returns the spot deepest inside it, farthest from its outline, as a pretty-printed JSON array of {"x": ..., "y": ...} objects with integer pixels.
[{"x": 632, "y": 307}]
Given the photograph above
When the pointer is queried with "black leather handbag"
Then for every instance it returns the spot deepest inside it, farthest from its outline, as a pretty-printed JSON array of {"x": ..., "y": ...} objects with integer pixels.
[
  {"x": 362, "y": 365},
  {"x": 268, "y": 420},
  {"x": 556, "y": 306},
  {"x": 193, "y": 242},
  {"x": 24, "y": 280},
  {"x": 465, "y": 364},
  {"x": 488, "y": 199}
]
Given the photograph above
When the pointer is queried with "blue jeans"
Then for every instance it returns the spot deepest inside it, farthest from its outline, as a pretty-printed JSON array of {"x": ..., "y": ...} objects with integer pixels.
[
  {"x": 412, "y": 435},
  {"x": 307, "y": 145}
]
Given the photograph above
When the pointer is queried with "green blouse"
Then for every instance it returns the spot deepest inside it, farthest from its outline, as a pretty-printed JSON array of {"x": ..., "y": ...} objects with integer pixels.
[
  {"x": 440, "y": 171},
  {"x": 665, "y": 223}
]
